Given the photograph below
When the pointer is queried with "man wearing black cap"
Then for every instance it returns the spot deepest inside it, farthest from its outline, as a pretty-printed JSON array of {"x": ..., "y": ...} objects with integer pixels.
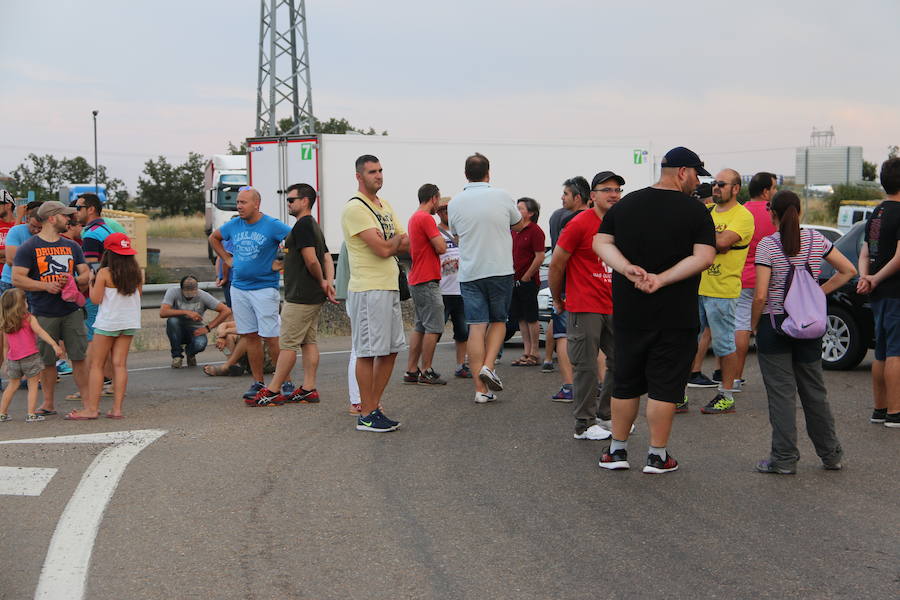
[
  {"x": 657, "y": 240},
  {"x": 588, "y": 300},
  {"x": 7, "y": 220}
]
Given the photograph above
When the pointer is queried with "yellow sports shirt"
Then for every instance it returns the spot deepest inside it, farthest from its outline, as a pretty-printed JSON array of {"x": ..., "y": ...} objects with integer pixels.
[
  {"x": 723, "y": 278},
  {"x": 368, "y": 271}
]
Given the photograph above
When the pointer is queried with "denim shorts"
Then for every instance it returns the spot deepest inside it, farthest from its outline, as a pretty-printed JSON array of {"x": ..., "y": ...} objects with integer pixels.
[
  {"x": 718, "y": 315},
  {"x": 560, "y": 323},
  {"x": 487, "y": 300},
  {"x": 887, "y": 327}
]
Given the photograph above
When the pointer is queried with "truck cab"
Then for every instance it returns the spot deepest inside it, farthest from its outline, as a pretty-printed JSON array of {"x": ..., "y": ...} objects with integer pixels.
[
  {"x": 69, "y": 191},
  {"x": 224, "y": 175}
]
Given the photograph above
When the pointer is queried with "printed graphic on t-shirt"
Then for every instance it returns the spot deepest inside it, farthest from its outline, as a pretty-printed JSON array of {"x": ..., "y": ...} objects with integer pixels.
[
  {"x": 874, "y": 233},
  {"x": 53, "y": 261},
  {"x": 247, "y": 245}
]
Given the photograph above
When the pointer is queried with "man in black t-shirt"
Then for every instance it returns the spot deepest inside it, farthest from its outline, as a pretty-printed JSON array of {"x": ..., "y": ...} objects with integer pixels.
[
  {"x": 308, "y": 283},
  {"x": 879, "y": 275},
  {"x": 42, "y": 267},
  {"x": 658, "y": 240}
]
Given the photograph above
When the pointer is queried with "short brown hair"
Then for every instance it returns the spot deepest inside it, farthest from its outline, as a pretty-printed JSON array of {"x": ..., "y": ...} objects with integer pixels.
[{"x": 477, "y": 167}]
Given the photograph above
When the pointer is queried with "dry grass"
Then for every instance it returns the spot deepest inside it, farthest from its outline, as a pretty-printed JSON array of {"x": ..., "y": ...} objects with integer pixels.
[
  {"x": 177, "y": 227},
  {"x": 816, "y": 212}
]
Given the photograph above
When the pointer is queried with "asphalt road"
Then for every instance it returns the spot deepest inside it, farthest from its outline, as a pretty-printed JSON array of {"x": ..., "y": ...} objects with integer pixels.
[{"x": 465, "y": 501}]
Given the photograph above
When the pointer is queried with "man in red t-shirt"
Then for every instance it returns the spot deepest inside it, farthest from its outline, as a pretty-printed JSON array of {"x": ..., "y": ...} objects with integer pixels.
[
  {"x": 528, "y": 254},
  {"x": 7, "y": 220},
  {"x": 762, "y": 187},
  {"x": 426, "y": 244},
  {"x": 588, "y": 300}
]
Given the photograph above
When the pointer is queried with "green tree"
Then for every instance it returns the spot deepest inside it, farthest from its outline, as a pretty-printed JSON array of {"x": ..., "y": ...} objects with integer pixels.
[
  {"x": 239, "y": 150},
  {"x": 173, "y": 190},
  {"x": 870, "y": 171},
  {"x": 45, "y": 174},
  {"x": 332, "y": 125}
]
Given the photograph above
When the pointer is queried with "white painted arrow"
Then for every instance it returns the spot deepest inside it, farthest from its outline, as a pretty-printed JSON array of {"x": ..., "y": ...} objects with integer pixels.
[{"x": 65, "y": 570}]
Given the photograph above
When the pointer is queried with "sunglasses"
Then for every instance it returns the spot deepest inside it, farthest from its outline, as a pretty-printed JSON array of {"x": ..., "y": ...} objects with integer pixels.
[
  {"x": 244, "y": 188},
  {"x": 721, "y": 184},
  {"x": 292, "y": 198}
]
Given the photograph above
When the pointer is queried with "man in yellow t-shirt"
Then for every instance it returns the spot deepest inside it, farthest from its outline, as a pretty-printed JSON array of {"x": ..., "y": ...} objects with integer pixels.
[
  {"x": 374, "y": 237},
  {"x": 720, "y": 284}
]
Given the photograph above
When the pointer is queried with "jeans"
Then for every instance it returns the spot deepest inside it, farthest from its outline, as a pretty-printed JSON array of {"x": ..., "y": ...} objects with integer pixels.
[{"x": 181, "y": 334}]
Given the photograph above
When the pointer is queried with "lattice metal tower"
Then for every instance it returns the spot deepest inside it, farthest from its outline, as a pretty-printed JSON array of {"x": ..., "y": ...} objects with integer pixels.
[
  {"x": 283, "y": 75},
  {"x": 822, "y": 138}
]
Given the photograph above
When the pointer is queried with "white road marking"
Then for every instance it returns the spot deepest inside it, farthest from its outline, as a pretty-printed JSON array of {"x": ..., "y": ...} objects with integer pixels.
[
  {"x": 65, "y": 570},
  {"x": 24, "y": 481}
]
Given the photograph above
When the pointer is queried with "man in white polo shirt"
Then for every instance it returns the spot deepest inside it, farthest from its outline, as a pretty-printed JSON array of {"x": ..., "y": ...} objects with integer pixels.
[{"x": 482, "y": 216}]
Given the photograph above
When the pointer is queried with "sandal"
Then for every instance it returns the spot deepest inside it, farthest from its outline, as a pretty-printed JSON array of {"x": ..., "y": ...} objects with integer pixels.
[
  {"x": 75, "y": 417},
  {"x": 522, "y": 361},
  {"x": 110, "y": 416},
  {"x": 75, "y": 396},
  {"x": 213, "y": 371},
  {"x": 44, "y": 412}
]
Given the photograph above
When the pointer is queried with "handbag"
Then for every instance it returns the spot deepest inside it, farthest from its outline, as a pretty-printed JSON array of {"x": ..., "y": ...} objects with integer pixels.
[{"x": 402, "y": 283}]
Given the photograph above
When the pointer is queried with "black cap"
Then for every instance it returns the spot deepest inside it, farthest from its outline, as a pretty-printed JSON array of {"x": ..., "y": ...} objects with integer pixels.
[
  {"x": 606, "y": 176},
  {"x": 682, "y": 157}
]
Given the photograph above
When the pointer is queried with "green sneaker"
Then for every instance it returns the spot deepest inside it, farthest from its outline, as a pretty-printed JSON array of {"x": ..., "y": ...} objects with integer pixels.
[
  {"x": 718, "y": 405},
  {"x": 4, "y": 418},
  {"x": 682, "y": 407}
]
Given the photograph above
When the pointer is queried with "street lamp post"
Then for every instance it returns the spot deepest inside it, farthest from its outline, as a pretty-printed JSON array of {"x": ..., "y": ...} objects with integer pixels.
[{"x": 96, "y": 187}]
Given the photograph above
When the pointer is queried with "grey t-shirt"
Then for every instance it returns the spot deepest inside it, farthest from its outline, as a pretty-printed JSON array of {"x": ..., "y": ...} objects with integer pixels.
[{"x": 199, "y": 303}]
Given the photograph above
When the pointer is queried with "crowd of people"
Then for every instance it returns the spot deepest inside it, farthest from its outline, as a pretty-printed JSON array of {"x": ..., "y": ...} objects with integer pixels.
[{"x": 642, "y": 286}]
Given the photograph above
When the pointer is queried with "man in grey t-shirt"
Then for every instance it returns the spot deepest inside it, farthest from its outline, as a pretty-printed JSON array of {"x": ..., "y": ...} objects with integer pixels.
[
  {"x": 482, "y": 216},
  {"x": 183, "y": 309}
]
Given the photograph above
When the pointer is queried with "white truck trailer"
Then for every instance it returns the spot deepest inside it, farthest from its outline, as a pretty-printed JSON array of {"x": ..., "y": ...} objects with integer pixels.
[{"x": 523, "y": 168}]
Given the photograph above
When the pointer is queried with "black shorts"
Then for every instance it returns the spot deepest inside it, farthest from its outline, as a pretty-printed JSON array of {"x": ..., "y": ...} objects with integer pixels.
[
  {"x": 524, "y": 304},
  {"x": 655, "y": 362}
]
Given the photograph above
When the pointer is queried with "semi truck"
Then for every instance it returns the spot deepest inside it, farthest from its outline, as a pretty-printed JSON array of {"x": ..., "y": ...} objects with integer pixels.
[
  {"x": 535, "y": 169},
  {"x": 223, "y": 176},
  {"x": 70, "y": 191}
]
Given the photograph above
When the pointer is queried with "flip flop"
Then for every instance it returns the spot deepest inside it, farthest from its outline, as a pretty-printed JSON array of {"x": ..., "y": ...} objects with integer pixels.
[
  {"x": 75, "y": 396},
  {"x": 212, "y": 370},
  {"x": 109, "y": 416},
  {"x": 73, "y": 417},
  {"x": 45, "y": 412},
  {"x": 522, "y": 361}
]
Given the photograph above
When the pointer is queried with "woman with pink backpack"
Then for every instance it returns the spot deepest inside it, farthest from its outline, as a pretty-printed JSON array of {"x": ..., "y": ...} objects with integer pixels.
[{"x": 789, "y": 318}]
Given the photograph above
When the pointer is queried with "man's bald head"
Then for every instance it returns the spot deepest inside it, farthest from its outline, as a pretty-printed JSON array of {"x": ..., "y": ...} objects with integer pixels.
[{"x": 248, "y": 201}]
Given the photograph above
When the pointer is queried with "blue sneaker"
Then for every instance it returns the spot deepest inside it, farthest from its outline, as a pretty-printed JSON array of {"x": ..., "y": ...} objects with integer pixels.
[
  {"x": 63, "y": 368},
  {"x": 564, "y": 394},
  {"x": 377, "y": 422},
  {"x": 287, "y": 388},
  {"x": 254, "y": 389}
]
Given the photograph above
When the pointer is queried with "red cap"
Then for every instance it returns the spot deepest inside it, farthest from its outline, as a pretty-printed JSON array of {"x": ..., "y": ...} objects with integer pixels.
[{"x": 119, "y": 243}]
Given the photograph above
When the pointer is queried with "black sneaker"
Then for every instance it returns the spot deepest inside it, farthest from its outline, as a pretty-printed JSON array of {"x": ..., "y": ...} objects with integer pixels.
[
  {"x": 429, "y": 377},
  {"x": 767, "y": 466},
  {"x": 892, "y": 420},
  {"x": 657, "y": 465},
  {"x": 412, "y": 377},
  {"x": 699, "y": 380},
  {"x": 717, "y": 376},
  {"x": 878, "y": 415},
  {"x": 719, "y": 405},
  {"x": 377, "y": 422},
  {"x": 615, "y": 460}
]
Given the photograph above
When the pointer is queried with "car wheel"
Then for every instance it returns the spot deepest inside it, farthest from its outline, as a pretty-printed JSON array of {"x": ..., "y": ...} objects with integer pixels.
[{"x": 842, "y": 344}]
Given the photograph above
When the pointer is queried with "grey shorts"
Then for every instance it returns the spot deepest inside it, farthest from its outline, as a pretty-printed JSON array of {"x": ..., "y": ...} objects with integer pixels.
[
  {"x": 376, "y": 322},
  {"x": 26, "y": 367},
  {"x": 429, "y": 305},
  {"x": 71, "y": 330},
  {"x": 742, "y": 312}
]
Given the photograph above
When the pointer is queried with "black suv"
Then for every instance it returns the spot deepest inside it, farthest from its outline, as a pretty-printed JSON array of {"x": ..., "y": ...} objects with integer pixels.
[{"x": 851, "y": 327}]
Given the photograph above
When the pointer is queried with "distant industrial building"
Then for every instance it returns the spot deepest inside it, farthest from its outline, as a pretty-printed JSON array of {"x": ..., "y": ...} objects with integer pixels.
[{"x": 823, "y": 163}]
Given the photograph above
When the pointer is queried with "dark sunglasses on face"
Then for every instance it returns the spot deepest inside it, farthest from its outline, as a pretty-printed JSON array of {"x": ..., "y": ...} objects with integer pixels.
[
  {"x": 721, "y": 184},
  {"x": 292, "y": 198}
]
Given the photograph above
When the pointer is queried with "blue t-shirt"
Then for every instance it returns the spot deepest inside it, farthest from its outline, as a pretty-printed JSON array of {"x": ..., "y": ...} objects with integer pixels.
[
  {"x": 16, "y": 236},
  {"x": 254, "y": 249}
]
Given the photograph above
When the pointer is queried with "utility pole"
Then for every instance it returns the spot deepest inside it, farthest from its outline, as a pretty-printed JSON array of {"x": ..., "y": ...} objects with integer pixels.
[
  {"x": 283, "y": 72},
  {"x": 96, "y": 187}
]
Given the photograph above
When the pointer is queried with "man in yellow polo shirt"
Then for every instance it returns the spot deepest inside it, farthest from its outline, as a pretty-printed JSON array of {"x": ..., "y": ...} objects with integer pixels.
[
  {"x": 374, "y": 237},
  {"x": 720, "y": 284}
]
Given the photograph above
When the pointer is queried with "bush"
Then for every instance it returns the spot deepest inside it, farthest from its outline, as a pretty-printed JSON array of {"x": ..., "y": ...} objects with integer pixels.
[{"x": 851, "y": 193}]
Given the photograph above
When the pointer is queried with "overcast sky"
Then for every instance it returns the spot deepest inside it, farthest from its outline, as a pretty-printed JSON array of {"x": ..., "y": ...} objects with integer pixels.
[{"x": 742, "y": 83}]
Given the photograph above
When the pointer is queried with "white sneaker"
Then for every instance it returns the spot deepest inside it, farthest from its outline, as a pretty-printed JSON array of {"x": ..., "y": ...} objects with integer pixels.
[
  {"x": 481, "y": 398},
  {"x": 607, "y": 424},
  {"x": 490, "y": 379},
  {"x": 594, "y": 432}
]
